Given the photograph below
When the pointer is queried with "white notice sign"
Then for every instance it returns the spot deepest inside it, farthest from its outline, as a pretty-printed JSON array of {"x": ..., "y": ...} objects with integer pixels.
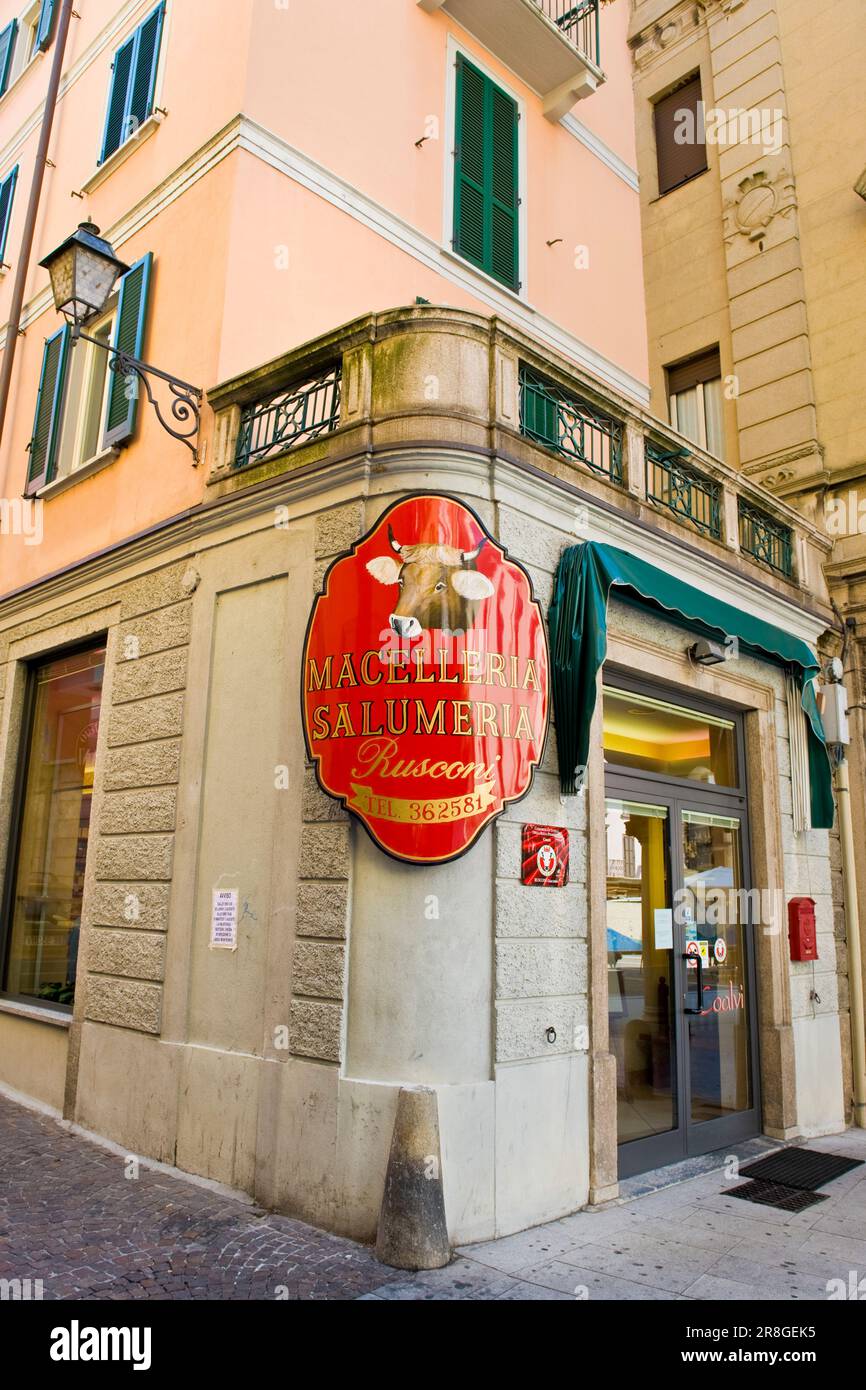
[
  {"x": 664, "y": 925},
  {"x": 224, "y": 919}
]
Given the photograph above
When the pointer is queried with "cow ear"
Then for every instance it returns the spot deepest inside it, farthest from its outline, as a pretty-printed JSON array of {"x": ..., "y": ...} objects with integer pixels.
[
  {"x": 470, "y": 584},
  {"x": 384, "y": 568}
]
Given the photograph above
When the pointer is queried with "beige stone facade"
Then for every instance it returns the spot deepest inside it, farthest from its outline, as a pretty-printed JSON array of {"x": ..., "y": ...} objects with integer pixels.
[
  {"x": 762, "y": 255},
  {"x": 275, "y": 1068}
]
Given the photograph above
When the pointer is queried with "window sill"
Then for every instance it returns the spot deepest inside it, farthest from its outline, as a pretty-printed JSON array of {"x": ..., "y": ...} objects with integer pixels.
[
  {"x": 104, "y": 171},
  {"x": 518, "y": 296},
  {"x": 94, "y": 465},
  {"x": 37, "y": 1013}
]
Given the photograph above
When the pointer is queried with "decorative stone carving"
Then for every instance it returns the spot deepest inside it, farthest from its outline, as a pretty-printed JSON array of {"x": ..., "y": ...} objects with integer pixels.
[
  {"x": 656, "y": 38},
  {"x": 759, "y": 197}
]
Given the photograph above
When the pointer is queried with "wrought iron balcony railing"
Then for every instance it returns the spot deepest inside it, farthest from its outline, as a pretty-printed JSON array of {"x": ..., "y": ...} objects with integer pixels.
[
  {"x": 766, "y": 539},
  {"x": 291, "y": 417},
  {"x": 675, "y": 484},
  {"x": 578, "y": 23},
  {"x": 563, "y": 421}
]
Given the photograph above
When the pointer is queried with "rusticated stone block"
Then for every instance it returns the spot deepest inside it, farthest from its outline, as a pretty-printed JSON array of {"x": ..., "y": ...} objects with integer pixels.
[
  {"x": 521, "y": 1027},
  {"x": 322, "y": 909},
  {"x": 522, "y": 911},
  {"x": 314, "y": 1030},
  {"x": 134, "y": 857},
  {"x": 318, "y": 969},
  {"x": 142, "y": 765},
  {"x": 140, "y": 955},
  {"x": 125, "y": 1003},
  {"x": 324, "y": 851},
  {"x": 153, "y": 591},
  {"x": 149, "y": 675},
  {"x": 142, "y": 720},
  {"x": 535, "y": 969},
  {"x": 156, "y": 632},
  {"x": 317, "y": 805},
  {"x": 134, "y": 905},
  {"x": 338, "y": 528},
  {"x": 147, "y": 809}
]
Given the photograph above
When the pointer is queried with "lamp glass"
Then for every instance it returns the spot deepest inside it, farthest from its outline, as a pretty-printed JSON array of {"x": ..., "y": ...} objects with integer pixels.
[{"x": 82, "y": 280}]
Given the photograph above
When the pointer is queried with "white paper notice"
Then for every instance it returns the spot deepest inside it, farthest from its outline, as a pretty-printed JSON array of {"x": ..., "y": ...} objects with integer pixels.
[
  {"x": 664, "y": 929},
  {"x": 224, "y": 919}
]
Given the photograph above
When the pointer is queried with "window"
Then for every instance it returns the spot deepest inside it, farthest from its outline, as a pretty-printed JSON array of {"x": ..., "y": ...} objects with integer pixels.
[
  {"x": 21, "y": 40},
  {"x": 695, "y": 395},
  {"x": 681, "y": 148},
  {"x": 133, "y": 81},
  {"x": 7, "y": 193},
  {"x": 655, "y": 736},
  {"x": 52, "y": 826},
  {"x": 82, "y": 407},
  {"x": 486, "y": 200}
]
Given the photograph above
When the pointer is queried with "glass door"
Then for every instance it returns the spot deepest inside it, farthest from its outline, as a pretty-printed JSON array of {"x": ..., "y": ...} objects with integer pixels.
[{"x": 714, "y": 912}]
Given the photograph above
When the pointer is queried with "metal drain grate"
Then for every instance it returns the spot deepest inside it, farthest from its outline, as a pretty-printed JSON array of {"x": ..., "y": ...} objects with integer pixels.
[
  {"x": 804, "y": 1168},
  {"x": 774, "y": 1194}
]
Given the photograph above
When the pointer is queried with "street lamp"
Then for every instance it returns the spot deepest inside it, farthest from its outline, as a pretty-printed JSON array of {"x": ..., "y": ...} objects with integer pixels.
[{"x": 83, "y": 271}]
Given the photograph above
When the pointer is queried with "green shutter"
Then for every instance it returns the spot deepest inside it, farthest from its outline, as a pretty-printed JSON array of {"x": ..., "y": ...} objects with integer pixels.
[
  {"x": 115, "y": 120},
  {"x": 143, "y": 80},
  {"x": 7, "y": 193},
  {"x": 7, "y": 48},
  {"x": 49, "y": 409},
  {"x": 45, "y": 26},
  {"x": 486, "y": 197},
  {"x": 129, "y": 331}
]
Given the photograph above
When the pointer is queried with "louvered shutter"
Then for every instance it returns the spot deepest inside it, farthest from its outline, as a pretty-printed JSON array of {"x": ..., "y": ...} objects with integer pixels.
[
  {"x": 143, "y": 81},
  {"x": 115, "y": 120},
  {"x": 7, "y": 48},
  {"x": 45, "y": 26},
  {"x": 7, "y": 193},
  {"x": 503, "y": 212},
  {"x": 129, "y": 332},
  {"x": 486, "y": 175},
  {"x": 49, "y": 410},
  {"x": 677, "y": 114}
]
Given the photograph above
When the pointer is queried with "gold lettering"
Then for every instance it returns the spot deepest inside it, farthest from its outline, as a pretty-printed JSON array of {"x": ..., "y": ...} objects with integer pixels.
[
  {"x": 316, "y": 679},
  {"x": 530, "y": 675},
  {"x": 365, "y": 669},
  {"x": 486, "y": 714},
  {"x": 462, "y": 713},
  {"x": 432, "y": 724},
  {"x": 496, "y": 667},
  {"x": 523, "y": 723},
  {"x": 321, "y": 728},
  {"x": 347, "y": 672},
  {"x": 343, "y": 723},
  {"x": 366, "y": 707},
  {"x": 389, "y": 716}
]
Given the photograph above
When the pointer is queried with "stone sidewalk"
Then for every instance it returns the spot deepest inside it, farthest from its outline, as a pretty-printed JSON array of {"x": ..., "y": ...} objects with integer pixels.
[{"x": 70, "y": 1217}]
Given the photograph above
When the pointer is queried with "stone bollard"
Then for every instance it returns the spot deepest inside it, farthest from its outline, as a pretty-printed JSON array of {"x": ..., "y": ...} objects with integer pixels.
[{"x": 412, "y": 1231}]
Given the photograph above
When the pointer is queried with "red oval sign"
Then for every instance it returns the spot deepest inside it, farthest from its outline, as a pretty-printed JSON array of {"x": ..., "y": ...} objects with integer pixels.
[{"x": 425, "y": 680}]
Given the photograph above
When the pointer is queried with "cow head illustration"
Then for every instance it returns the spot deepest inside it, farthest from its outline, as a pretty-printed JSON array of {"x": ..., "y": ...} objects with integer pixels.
[{"x": 438, "y": 585}]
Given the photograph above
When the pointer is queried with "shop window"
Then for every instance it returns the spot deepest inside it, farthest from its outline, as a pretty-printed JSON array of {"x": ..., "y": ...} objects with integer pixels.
[
  {"x": 695, "y": 397},
  {"x": 133, "y": 83},
  {"x": 51, "y": 830},
  {"x": 681, "y": 149},
  {"x": 82, "y": 406},
  {"x": 486, "y": 194},
  {"x": 654, "y": 736}
]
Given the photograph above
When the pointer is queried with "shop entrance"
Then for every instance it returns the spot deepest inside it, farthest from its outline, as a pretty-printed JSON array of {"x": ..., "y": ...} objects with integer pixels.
[{"x": 680, "y": 929}]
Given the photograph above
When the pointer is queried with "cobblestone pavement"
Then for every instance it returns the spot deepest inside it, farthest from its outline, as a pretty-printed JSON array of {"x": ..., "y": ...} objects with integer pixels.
[{"x": 69, "y": 1217}]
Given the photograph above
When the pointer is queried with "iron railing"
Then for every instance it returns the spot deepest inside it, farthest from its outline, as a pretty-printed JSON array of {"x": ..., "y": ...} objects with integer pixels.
[
  {"x": 562, "y": 421},
  {"x": 766, "y": 539},
  {"x": 289, "y": 418},
  {"x": 579, "y": 23},
  {"x": 673, "y": 483}
]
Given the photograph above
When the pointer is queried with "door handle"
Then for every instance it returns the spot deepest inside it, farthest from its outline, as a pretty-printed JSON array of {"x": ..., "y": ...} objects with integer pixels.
[{"x": 700, "y": 983}]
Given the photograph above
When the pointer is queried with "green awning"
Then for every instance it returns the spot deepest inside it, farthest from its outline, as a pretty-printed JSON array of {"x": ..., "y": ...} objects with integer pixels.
[{"x": 578, "y": 638}]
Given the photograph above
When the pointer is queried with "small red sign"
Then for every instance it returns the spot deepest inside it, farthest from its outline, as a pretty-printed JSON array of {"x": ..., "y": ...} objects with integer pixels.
[
  {"x": 545, "y": 856},
  {"x": 425, "y": 679}
]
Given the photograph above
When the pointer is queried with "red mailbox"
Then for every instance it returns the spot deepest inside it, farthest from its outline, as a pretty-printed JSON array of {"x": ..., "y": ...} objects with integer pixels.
[{"x": 802, "y": 936}]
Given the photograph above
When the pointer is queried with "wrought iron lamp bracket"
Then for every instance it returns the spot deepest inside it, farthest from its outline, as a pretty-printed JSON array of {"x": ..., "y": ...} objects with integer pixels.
[{"x": 186, "y": 399}]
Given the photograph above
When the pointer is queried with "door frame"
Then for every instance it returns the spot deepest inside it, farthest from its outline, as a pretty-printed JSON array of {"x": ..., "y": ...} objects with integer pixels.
[{"x": 679, "y": 794}]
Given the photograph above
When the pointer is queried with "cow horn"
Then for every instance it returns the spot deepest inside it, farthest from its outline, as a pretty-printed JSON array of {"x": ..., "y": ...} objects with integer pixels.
[
  {"x": 395, "y": 544},
  {"x": 473, "y": 554}
]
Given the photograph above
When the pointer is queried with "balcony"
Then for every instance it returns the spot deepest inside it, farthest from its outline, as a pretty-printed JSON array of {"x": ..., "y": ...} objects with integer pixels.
[
  {"x": 553, "y": 45},
  {"x": 392, "y": 386}
]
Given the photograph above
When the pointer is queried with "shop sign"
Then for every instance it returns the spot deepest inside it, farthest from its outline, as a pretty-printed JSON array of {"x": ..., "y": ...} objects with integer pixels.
[
  {"x": 544, "y": 856},
  {"x": 425, "y": 679}
]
